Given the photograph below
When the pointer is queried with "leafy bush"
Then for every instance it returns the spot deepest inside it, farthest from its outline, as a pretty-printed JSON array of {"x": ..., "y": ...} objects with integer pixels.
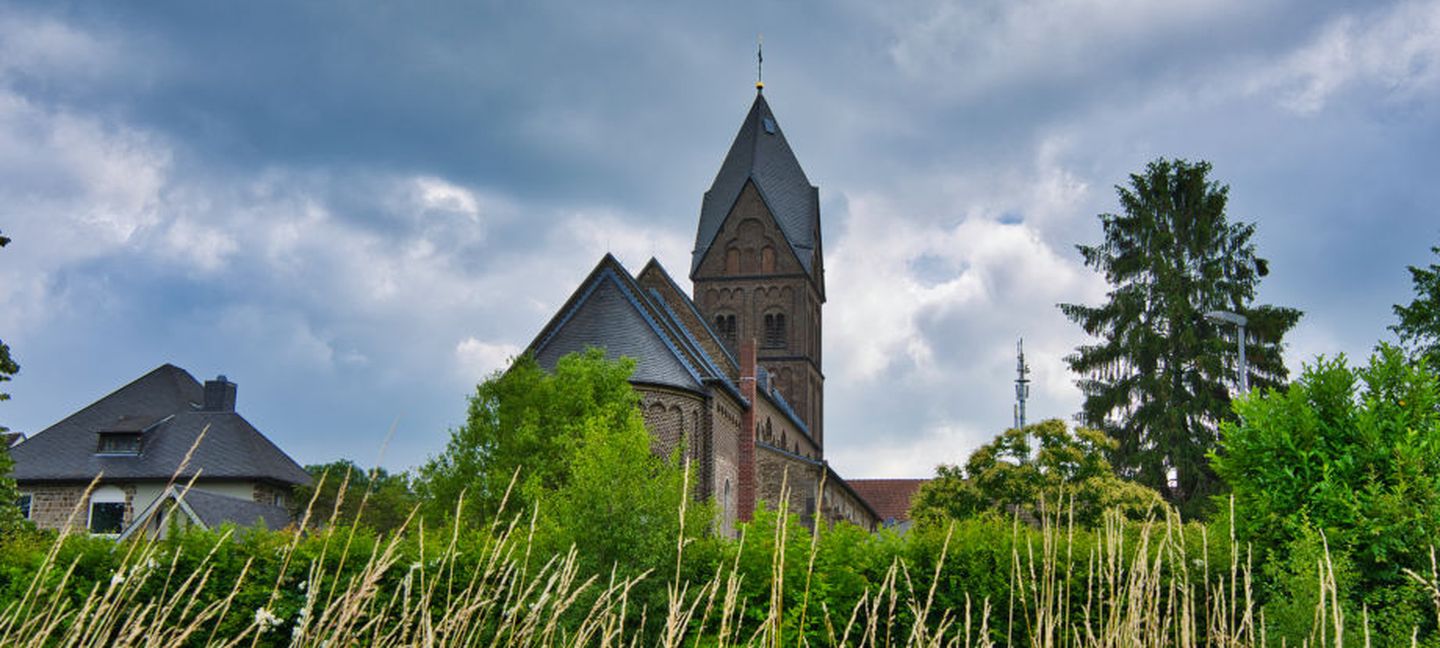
[{"x": 1353, "y": 453}]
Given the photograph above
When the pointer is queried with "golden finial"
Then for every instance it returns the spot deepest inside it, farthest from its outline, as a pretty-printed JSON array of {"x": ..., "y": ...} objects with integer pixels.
[{"x": 759, "y": 62}]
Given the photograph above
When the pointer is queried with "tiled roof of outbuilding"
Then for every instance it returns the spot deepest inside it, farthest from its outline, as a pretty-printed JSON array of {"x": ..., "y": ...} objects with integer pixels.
[
  {"x": 761, "y": 154},
  {"x": 889, "y": 497}
]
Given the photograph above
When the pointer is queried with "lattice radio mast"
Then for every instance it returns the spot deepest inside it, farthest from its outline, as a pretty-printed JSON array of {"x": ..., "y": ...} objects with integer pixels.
[{"x": 1022, "y": 384}]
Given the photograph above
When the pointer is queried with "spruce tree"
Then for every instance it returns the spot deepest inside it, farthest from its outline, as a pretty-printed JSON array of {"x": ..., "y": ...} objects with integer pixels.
[{"x": 1160, "y": 378}]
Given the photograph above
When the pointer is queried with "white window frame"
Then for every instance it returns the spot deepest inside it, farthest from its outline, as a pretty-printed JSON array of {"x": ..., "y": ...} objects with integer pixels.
[{"x": 104, "y": 495}]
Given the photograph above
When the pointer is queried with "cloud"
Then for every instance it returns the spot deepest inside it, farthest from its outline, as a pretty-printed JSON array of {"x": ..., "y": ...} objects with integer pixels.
[
  {"x": 477, "y": 359},
  {"x": 981, "y": 46},
  {"x": 1392, "y": 50}
]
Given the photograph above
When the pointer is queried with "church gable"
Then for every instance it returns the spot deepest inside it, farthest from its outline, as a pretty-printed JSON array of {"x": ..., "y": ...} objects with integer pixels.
[
  {"x": 750, "y": 242},
  {"x": 609, "y": 311},
  {"x": 760, "y": 158}
]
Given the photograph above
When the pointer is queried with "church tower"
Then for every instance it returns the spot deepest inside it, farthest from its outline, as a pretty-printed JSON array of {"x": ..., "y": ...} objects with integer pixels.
[{"x": 757, "y": 265}]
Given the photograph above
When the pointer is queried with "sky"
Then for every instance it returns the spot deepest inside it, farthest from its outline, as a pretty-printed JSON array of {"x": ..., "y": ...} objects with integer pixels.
[{"x": 357, "y": 211}]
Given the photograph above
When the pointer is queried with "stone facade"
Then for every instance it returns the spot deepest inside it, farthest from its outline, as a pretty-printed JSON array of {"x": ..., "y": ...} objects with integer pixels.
[
  {"x": 51, "y": 505},
  {"x": 795, "y": 480}
]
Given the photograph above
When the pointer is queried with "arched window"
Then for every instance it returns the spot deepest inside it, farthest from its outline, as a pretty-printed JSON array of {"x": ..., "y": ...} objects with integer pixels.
[
  {"x": 767, "y": 259},
  {"x": 732, "y": 261},
  {"x": 107, "y": 510},
  {"x": 725, "y": 500},
  {"x": 774, "y": 330},
  {"x": 725, "y": 327}
]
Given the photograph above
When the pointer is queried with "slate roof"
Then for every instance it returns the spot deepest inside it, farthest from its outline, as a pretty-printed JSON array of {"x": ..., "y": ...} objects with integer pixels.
[
  {"x": 211, "y": 510},
  {"x": 761, "y": 154},
  {"x": 163, "y": 407},
  {"x": 889, "y": 497},
  {"x": 611, "y": 310}
]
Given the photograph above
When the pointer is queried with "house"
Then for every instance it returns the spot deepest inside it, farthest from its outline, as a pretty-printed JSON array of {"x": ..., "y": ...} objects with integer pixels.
[
  {"x": 732, "y": 371},
  {"x": 144, "y": 443}
]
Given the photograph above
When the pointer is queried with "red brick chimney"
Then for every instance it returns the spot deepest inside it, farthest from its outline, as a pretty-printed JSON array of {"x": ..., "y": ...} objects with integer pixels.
[{"x": 745, "y": 501}]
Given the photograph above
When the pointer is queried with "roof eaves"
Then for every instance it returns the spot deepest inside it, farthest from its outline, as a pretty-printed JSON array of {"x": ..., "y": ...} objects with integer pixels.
[
  {"x": 694, "y": 310},
  {"x": 610, "y": 268}
]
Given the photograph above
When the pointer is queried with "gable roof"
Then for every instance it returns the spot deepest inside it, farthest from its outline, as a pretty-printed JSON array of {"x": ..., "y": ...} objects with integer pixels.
[
  {"x": 211, "y": 510},
  {"x": 611, "y": 310},
  {"x": 669, "y": 294},
  {"x": 163, "y": 407},
  {"x": 760, "y": 154},
  {"x": 889, "y": 497}
]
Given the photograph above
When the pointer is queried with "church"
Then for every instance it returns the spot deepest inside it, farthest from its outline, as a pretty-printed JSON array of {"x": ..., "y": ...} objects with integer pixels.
[{"x": 731, "y": 373}]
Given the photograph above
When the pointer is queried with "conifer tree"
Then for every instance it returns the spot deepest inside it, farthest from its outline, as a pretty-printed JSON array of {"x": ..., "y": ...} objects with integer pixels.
[{"x": 1160, "y": 378}]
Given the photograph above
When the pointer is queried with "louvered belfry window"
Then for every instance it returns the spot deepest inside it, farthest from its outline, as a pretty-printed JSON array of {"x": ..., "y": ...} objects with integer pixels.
[
  {"x": 725, "y": 328},
  {"x": 775, "y": 330}
]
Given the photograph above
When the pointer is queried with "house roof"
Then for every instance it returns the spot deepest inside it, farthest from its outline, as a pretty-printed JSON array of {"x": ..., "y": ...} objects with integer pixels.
[
  {"x": 214, "y": 509},
  {"x": 889, "y": 497},
  {"x": 163, "y": 407},
  {"x": 760, "y": 154},
  {"x": 210, "y": 510},
  {"x": 611, "y": 310}
]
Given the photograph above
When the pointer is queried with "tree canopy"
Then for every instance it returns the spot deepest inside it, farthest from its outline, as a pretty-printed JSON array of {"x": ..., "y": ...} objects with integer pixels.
[
  {"x": 1350, "y": 452},
  {"x": 9, "y": 495},
  {"x": 578, "y": 442},
  {"x": 1014, "y": 473},
  {"x": 529, "y": 419},
  {"x": 387, "y": 499},
  {"x": 1419, "y": 322},
  {"x": 1158, "y": 380}
]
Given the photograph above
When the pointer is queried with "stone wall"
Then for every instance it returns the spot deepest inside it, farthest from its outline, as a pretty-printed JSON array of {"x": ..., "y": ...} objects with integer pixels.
[
  {"x": 51, "y": 505},
  {"x": 266, "y": 494},
  {"x": 802, "y": 478}
]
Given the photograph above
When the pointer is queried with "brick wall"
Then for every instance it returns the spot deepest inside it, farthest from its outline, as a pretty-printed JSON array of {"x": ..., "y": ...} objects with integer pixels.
[{"x": 735, "y": 279}]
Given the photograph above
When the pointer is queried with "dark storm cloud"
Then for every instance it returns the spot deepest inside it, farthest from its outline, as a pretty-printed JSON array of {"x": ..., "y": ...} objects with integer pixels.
[{"x": 357, "y": 211}]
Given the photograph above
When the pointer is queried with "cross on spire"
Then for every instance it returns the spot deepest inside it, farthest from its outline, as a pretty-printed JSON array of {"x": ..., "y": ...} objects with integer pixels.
[{"x": 760, "y": 63}]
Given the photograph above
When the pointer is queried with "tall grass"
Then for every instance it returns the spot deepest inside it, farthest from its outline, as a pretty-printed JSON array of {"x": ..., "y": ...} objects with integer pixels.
[{"x": 1152, "y": 583}]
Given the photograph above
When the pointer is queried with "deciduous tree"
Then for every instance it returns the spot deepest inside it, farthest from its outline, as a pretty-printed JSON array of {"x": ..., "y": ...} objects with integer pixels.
[
  {"x": 1158, "y": 380},
  {"x": 1021, "y": 467}
]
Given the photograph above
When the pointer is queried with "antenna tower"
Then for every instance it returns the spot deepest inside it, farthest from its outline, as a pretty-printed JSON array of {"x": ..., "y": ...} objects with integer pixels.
[{"x": 1022, "y": 384}]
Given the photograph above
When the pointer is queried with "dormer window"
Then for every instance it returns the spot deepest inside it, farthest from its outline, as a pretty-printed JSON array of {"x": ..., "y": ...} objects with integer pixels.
[{"x": 119, "y": 443}]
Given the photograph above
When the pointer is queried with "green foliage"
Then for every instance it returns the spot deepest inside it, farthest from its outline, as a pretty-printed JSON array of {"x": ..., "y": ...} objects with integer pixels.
[
  {"x": 1293, "y": 582},
  {"x": 525, "y": 418},
  {"x": 387, "y": 499},
  {"x": 1021, "y": 468},
  {"x": 1157, "y": 380},
  {"x": 1419, "y": 325},
  {"x": 619, "y": 504},
  {"x": 10, "y": 518},
  {"x": 1352, "y": 452}
]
